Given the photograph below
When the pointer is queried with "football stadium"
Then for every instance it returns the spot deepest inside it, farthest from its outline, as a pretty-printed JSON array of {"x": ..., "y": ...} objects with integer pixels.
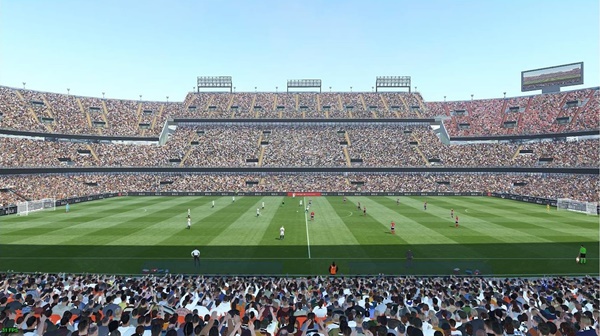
[{"x": 302, "y": 210}]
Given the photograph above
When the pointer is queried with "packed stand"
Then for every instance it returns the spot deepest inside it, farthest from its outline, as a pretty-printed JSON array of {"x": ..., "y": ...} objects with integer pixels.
[
  {"x": 35, "y": 102},
  {"x": 150, "y": 112},
  {"x": 483, "y": 116},
  {"x": 473, "y": 155},
  {"x": 68, "y": 116},
  {"x": 302, "y": 183},
  {"x": 121, "y": 117},
  {"x": 330, "y": 105},
  {"x": 583, "y": 153},
  {"x": 589, "y": 116},
  {"x": 384, "y": 146},
  {"x": 352, "y": 103},
  {"x": 375, "y": 106},
  {"x": 307, "y": 104},
  {"x": 18, "y": 152},
  {"x": 579, "y": 187},
  {"x": 264, "y": 106},
  {"x": 219, "y": 106},
  {"x": 131, "y": 155},
  {"x": 194, "y": 106},
  {"x": 241, "y": 106},
  {"x": 302, "y": 146},
  {"x": 286, "y": 104},
  {"x": 33, "y": 187},
  {"x": 224, "y": 146},
  {"x": 15, "y": 113},
  {"x": 581, "y": 97},
  {"x": 171, "y": 305},
  {"x": 415, "y": 105}
]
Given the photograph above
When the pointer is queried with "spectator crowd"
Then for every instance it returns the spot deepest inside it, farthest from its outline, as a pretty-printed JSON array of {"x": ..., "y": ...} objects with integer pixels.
[
  {"x": 299, "y": 146},
  {"x": 68, "y": 114},
  {"x": 101, "y": 305},
  {"x": 17, "y": 188}
]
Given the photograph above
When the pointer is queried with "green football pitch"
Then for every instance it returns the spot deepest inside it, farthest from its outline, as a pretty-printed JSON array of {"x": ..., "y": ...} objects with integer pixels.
[{"x": 126, "y": 235}]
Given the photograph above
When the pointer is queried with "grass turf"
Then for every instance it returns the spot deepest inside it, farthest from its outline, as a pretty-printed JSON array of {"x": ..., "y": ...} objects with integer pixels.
[{"x": 127, "y": 234}]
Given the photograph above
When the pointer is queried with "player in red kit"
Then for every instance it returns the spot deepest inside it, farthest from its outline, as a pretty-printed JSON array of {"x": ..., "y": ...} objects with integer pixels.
[
  {"x": 456, "y": 222},
  {"x": 393, "y": 227},
  {"x": 312, "y": 215}
]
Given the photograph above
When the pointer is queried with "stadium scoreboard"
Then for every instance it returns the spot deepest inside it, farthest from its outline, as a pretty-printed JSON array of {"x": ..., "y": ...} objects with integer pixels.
[{"x": 551, "y": 79}]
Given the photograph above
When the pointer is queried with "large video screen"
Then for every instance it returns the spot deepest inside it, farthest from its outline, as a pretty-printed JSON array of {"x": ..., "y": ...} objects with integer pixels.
[{"x": 562, "y": 75}]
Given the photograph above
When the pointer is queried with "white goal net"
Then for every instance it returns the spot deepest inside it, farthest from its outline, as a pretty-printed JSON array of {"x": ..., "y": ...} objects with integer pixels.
[
  {"x": 24, "y": 208},
  {"x": 590, "y": 208}
]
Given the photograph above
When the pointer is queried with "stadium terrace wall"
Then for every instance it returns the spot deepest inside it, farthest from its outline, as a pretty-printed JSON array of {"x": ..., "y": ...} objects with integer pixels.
[
  {"x": 86, "y": 137},
  {"x": 297, "y": 170},
  {"x": 527, "y": 136},
  {"x": 74, "y": 200},
  {"x": 287, "y": 121}
]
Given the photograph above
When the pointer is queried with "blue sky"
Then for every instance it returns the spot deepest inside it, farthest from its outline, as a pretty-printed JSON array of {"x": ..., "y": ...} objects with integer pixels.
[{"x": 157, "y": 48}]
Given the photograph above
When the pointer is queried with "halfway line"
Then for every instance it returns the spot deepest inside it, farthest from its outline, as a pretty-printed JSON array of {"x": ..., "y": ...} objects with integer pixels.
[{"x": 306, "y": 221}]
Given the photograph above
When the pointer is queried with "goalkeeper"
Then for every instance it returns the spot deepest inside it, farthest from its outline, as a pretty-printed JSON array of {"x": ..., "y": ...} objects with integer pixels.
[{"x": 582, "y": 252}]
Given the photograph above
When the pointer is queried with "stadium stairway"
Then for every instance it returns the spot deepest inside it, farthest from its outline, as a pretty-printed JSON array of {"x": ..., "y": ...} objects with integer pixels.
[
  {"x": 229, "y": 105},
  {"x": 362, "y": 101},
  {"x": 421, "y": 104},
  {"x": 31, "y": 111},
  {"x": 590, "y": 98},
  {"x": 347, "y": 137},
  {"x": 87, "y": 115},
  {"x": 139, "y": 116},
  {"x": 318, "y": 108},
  {"x": 103, "y": 115},
  {"x": 514, "y": 130},
  {"x": 504, "y": 114},
  {"x": 419, "y": 150},
  {"x": 345, "y": 150},
  {"x": 156, "y": 117},
  {"x": 347, "y": 156},
  {"x": 406, "y": 107},
  {"x": 261, "y": 156},
  {"x": 49, "y": 110},
  {"x": 257, "y": 112},
  {"x": 19, "y": 195},
  {"x": 384, "y": 102},
  {"x": 514, "y": 157},
  {"x": 94, "y": 155},
  {"x": 188, "y": 152},
  {"x": 340, "y": 103}
]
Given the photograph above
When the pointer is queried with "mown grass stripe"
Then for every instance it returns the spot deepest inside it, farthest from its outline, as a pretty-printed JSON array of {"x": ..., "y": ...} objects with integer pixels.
[{"x": 79, "y": 226}]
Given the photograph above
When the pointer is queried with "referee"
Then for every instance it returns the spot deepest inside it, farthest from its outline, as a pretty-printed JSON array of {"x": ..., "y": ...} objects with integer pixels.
[{"x": 196, "y": 255}]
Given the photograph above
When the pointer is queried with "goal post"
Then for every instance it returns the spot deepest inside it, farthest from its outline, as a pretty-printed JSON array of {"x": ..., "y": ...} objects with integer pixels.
[
  {"x": 590, "y": 208},
  {"x": 24, "y": 208}
]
